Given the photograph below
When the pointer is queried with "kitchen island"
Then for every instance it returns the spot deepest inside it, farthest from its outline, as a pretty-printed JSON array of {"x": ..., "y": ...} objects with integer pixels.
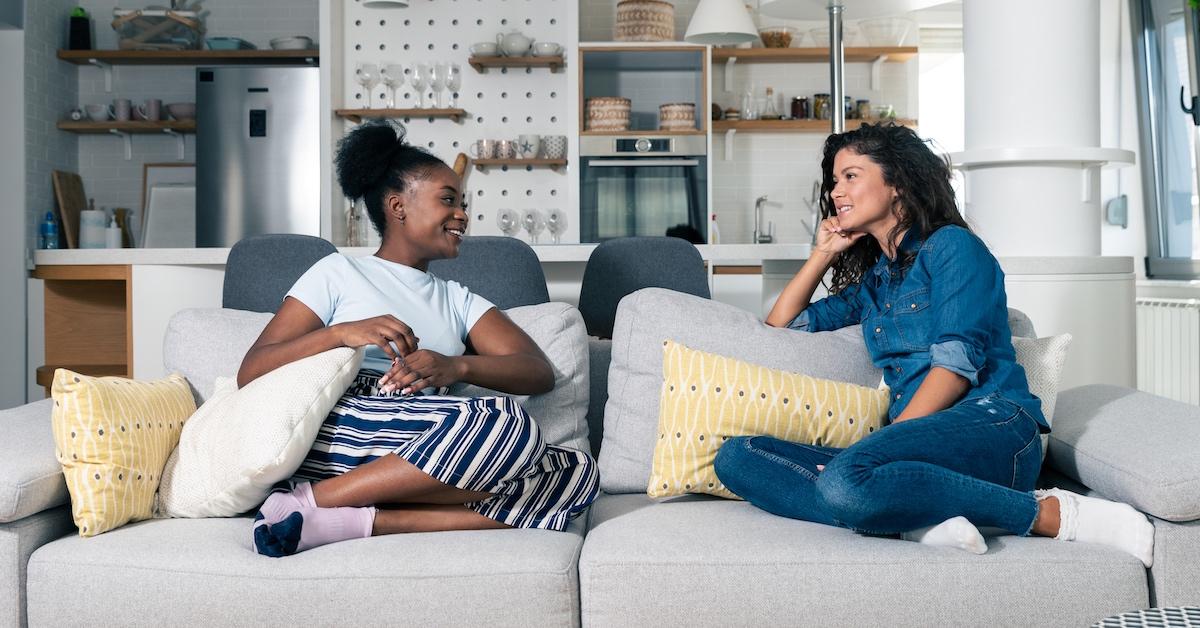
[{"x": 106, "y": 310}]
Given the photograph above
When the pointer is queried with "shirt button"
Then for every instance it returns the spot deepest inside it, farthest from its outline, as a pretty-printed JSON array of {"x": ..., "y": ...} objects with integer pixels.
[
  {"x": 878, "y": 329},
  {"x": 887, "y": 305},
  {"x": 913, "y": 306},
  {"x": 897, "y": 395}
]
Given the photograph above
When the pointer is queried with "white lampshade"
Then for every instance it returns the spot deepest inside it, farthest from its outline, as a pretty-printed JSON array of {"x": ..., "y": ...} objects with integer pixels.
[{"x": 718, "y": 22}]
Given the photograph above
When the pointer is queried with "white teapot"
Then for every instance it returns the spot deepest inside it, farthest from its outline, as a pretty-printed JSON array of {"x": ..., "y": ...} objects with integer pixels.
[{"x": 513, "y": 43}]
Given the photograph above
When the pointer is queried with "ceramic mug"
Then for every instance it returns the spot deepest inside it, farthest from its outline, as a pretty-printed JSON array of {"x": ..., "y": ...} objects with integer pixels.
[
  {"x": 554, "y": 147},
  {"x": 528, "y": 146},
  {"x": 506, "y": 149},
  {"x": 483, "y": 149},
  {"x": 150, "y": 110},
  {"x": 99, "y": 113},
  {"x": 122, "y": 109}
]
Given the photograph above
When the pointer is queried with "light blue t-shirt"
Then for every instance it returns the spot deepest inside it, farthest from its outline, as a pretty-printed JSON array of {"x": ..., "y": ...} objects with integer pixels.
[{"x": 340, "y": 289}]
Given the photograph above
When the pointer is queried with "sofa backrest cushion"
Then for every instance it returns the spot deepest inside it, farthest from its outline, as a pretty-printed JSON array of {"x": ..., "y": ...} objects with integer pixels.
[
  {"x": 558, "y": 330},
  {"x": 650, "y": 316},
  {"x": 31, "y": 478},
  {"x": 203, "y": 344}
]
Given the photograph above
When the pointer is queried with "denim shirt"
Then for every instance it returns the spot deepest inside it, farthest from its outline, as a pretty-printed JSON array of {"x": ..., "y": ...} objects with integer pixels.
[{"x": 947, "y": 309}]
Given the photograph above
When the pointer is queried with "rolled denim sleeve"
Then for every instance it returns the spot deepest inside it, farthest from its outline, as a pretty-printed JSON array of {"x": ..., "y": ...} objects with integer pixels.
[
  {"x": 833, "y": 312},
  {"x": 967, "y": 287}
]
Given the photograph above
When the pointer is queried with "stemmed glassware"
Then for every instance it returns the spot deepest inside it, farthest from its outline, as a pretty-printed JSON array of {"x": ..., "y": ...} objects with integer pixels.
[
  {"x": 420, "y": 76},
  {"x": 437, "y": 80},
  {"x": 393, "y": 77},
  {"x": 556, "y": 224},
  {"x": 454, "y": 83},
  {"x": 508, "y": 221},
  {"x": 534, "y": 222},
  {"x": 367, "y": 75}
]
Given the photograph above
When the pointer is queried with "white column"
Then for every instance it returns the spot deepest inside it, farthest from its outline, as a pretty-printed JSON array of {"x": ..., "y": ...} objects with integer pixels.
[{"x": 1032, "y": 157}]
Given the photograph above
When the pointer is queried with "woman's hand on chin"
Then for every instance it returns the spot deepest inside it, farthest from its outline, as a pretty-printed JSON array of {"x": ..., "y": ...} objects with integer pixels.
[
  {"x": 419, "y": 370},
  {"x": 832, "y": 239}
]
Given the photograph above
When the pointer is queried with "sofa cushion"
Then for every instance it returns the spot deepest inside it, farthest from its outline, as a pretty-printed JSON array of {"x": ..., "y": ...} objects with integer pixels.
[
  {"x": 31, "y": 479},
  {"x": 113, "y": 436},
  {"x": 1130, "y": 446},
  {"x": 648, "y": 317},
  {"x": 1043, "y": 359},
  {"x": 241, "y": 442},
  {"x": 698, "y": 560},
  {"x": 18, "y": 540},
  {"x": 206, "y": 343},
  {"x": 206, "y": 569},
  {"x": 558, "y": 330},
  {"x": 709, "y": 398}
]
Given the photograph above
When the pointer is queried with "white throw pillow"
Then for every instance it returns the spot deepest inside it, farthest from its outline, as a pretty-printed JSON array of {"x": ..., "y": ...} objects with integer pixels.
[
  {"x": 1043, "y": 359},
  {"x": 241, "y": 442}
]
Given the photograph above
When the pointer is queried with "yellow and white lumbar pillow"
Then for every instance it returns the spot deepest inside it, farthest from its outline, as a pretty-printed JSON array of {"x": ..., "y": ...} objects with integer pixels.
[
  {"x": 708, "y": 398},
  {"x": 112, "y": 436}
]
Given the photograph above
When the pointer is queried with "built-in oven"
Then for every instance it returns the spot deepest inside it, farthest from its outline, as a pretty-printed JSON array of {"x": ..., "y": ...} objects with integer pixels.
[{"x": 643, "y": 185}]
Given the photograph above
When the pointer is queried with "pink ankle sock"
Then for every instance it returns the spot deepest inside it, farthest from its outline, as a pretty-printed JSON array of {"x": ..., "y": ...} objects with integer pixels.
[
  {"x": 312, "y": 527},
  {"x": 281, "y": 503}
]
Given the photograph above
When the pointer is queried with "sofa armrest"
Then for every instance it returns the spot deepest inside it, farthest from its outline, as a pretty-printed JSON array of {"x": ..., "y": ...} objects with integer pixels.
[
  {"x": 31, "y": 478},
  {"x": 1131, "y": 447}
]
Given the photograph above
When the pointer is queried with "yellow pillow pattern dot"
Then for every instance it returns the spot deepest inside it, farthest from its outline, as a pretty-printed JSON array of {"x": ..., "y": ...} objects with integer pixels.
[
  {"x": 112, "y": 437},
  {"x": 708, "y": 398}
]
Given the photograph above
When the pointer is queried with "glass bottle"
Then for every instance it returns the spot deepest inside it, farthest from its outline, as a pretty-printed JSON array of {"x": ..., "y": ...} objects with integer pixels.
[
  {"x": 821, "y": 107},
  {"x": 749, "y": 107},
  {"x": 770, "y": 110}
]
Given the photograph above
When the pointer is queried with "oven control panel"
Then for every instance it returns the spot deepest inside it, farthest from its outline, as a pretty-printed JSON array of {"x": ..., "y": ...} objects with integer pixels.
[{"x": 643, "y": 145}]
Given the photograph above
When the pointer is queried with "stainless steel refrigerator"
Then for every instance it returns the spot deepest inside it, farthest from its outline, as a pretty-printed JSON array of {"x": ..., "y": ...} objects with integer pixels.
[{"x": 257, "y": 153}]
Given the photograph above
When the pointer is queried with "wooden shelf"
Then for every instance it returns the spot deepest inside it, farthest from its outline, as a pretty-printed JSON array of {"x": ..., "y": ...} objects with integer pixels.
[
  {"x": 356, "y": 115},
  {"x": 190, "y": 57},
  {"x": 553, "y": 164},
  {"x": 896, "y": 54},
  {"x": 131, "y": 126},
  {"x": 482, "y": 63},
  {"x": 645, "y": 132},
  {"x": 791, "y": 126}
]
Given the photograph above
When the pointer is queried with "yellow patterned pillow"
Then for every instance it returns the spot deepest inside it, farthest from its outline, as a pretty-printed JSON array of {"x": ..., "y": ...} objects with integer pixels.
[
  {"x": 708, "y": 398},
  {"x": 112, "y": 436}
]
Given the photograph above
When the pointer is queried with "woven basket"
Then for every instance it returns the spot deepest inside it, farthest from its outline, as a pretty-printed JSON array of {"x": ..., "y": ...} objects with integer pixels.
[
  {"x": 645, "y": 20},
  {"x": 677, "y": 116},
  {"x": 608, "y": 113}
]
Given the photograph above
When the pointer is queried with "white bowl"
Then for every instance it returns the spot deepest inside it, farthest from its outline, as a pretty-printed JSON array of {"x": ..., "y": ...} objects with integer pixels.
[
  {"x": 298, "y": 42},
  {"x": 546, "y": 49},
  {"x": 182, "y": 110},
  {"x": 885, "y": 31},
  {"x": 485, "y": 49}
]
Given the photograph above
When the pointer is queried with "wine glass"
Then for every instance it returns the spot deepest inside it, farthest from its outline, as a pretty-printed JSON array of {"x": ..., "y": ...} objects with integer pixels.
[
  {"x": 556, "y": 224},
  {"x": 508, "y": 221},
  {"x": 367, "y": 75},
  {"x": 454, "y": 83},
  {"x": 393, "y": 77},
  {"x": 534, "y": 222},
  {"x": 420, "y": 76},
  {"x": 437, "y": 80}
]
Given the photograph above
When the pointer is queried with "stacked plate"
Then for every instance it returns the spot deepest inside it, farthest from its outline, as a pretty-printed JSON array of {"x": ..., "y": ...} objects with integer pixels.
[
  {"x": 677, "y": 116},
  {"x": 608, "y": 113}
]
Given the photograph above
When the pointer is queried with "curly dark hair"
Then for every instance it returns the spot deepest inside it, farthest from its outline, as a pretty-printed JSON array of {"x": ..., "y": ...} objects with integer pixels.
[
  {"x": 373, "y": 160},
  {"x": 920, "y": 177}
]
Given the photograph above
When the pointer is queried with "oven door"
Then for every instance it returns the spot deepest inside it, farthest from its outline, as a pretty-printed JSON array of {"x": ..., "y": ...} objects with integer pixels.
[{"x": 622, "y": 197}]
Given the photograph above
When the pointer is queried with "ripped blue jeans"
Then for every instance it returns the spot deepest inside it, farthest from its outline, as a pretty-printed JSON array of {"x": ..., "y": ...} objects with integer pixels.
[{"x": 979, "y": 459}]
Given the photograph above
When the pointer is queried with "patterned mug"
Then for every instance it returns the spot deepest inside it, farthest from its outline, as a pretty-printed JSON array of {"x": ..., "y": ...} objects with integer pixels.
[
  {"x": 554, "y": 146},
  {"x": 506, "y": 149}
]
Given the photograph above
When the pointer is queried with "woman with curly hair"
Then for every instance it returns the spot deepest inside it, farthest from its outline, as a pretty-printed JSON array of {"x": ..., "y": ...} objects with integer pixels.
[
  {"x": 963, "y": 446},
  {"x": 391, "y": 456}
]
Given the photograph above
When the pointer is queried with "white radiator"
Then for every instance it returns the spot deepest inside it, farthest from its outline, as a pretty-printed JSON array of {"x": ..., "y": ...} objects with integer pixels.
[{"x": 1168, "y": 348}]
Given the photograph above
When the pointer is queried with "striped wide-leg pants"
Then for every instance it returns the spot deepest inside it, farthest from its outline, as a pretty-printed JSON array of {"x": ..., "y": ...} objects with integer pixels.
[{"x": 484, "y": 444}]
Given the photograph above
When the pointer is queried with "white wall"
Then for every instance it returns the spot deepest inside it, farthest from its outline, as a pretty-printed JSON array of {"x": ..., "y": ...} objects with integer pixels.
[
  {"x": 107, "y": 176},
  {"x": 12, "y": 240}
]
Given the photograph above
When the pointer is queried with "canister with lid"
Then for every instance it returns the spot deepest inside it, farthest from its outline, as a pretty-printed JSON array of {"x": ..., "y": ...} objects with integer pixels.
[{"x": 800, "y": 108}]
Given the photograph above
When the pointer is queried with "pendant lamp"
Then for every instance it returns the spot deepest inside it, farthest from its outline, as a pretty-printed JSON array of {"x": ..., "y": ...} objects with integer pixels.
[{"x": 718, "y": 22}]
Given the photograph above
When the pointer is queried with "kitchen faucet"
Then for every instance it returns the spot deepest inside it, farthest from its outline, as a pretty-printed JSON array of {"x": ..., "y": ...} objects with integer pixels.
[{"x": 759, "y": 237}]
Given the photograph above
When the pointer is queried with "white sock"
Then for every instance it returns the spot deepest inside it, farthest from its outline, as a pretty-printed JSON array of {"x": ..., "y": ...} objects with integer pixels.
[
  {"x": 1095, "y": 520},
  {"x": 953, "y": 532}
]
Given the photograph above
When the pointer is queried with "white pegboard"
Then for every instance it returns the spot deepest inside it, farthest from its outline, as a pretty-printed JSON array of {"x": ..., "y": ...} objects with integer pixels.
[{"x": 501, "y": 103}]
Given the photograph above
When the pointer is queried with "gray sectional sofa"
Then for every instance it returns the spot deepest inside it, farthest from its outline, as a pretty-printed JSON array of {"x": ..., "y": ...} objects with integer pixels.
[{"x": 690, "y": 561}]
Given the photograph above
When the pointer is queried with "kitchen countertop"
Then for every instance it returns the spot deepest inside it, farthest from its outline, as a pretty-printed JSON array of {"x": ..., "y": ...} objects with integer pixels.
[{"x": 718, "y": 254}]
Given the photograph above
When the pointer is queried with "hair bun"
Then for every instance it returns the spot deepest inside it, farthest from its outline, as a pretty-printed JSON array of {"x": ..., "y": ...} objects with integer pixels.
[{"x": 364, "y": 156}]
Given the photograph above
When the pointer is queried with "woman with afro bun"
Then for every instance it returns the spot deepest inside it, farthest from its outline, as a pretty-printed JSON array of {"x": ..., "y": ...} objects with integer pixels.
[{"x": 393, "y": 456}]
